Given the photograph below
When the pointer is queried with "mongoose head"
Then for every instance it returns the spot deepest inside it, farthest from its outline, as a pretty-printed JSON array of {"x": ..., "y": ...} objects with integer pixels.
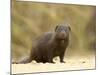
[{"x": 62, "y": 31}]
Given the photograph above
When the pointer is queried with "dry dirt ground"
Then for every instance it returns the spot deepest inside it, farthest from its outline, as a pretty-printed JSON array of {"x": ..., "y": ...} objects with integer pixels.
[{"x": 72, "y": 63}]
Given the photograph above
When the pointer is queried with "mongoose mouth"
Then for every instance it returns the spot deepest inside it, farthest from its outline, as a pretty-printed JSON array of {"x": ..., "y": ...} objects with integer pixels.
[{"x": 61, "y": 40}]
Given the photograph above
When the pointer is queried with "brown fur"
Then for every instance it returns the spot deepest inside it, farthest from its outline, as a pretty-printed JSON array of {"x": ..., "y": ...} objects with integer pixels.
[{"x": 50, "y": 45}]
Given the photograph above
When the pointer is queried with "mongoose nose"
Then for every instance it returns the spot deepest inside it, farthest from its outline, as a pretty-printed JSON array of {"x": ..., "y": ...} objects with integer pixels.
[{"x": 63, "y": 34}]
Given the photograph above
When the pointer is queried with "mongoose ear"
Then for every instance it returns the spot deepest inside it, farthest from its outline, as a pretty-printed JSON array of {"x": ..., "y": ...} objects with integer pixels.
[
  {"x": 56, "y": 27},
  {"x": 69, "y": 28}
]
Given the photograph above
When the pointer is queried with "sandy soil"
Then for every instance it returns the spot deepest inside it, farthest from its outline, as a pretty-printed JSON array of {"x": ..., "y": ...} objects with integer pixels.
[{"x": 72, "y": 63}]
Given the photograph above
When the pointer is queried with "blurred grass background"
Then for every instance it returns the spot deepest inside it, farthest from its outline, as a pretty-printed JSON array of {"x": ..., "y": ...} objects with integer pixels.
[{"x": 31, "y": 19}]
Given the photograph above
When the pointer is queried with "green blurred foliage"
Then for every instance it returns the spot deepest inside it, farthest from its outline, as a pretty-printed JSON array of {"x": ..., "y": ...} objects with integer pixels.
[{"x": 31, "y": 19}]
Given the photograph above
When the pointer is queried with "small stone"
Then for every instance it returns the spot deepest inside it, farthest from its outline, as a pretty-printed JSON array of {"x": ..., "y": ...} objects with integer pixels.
[{"x": 83, "y": 62}]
